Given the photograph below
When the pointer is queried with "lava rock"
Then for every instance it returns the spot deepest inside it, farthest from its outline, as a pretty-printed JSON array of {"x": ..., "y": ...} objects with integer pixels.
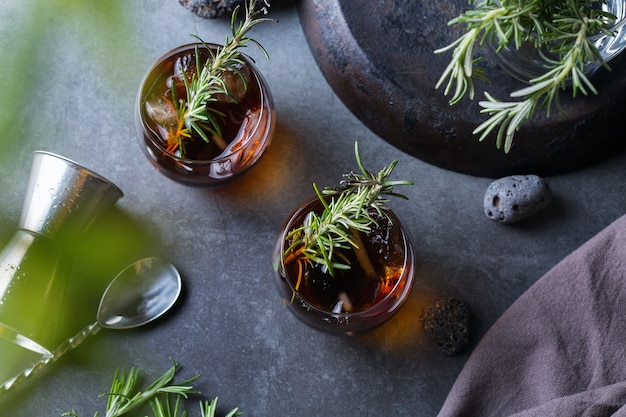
[
  {"x": 517, "y": 197},
  {"x": 446, "y": 322},
  {"x": 211, "y": 9}
]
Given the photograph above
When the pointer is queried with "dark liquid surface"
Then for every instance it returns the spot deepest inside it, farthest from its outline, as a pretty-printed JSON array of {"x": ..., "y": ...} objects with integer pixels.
[{"x": 355, "y": 290}]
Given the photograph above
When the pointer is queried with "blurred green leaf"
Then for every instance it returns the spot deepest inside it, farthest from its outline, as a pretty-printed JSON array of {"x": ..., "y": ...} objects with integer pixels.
[{"x": 25, "y": 29}]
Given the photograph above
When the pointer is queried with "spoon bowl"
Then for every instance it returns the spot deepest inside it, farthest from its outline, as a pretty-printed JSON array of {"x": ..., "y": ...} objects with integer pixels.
[{"x": 141, "y": 293}]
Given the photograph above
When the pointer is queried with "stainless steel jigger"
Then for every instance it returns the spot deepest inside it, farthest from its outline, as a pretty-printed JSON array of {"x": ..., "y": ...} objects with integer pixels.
[
  {"x": 62, "y": 200},
  {"x": 62, "y": 193}
]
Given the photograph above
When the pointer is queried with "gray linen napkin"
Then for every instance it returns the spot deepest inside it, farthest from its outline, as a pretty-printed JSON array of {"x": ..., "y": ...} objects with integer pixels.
[{"x": 560, "y": 349}]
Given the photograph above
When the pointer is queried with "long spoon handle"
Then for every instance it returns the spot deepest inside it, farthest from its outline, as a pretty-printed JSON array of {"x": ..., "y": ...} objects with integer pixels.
[{"x": 63, "y": 348}]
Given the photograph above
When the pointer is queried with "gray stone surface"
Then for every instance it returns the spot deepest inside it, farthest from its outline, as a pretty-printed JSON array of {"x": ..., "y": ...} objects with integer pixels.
[
  {"x": 230, "y": 326},
  {"x": 516, "y": 197}
]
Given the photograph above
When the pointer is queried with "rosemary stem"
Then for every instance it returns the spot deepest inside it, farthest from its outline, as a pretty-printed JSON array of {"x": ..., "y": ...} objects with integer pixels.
[{"x": 362, "y": 255}]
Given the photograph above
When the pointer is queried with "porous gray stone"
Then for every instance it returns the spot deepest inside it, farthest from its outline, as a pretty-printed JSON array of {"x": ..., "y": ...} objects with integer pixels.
[
  {"x": 446, "y": 323},
  {"x": 211, "y": 9},
  {"x": 517, "y": 197}
]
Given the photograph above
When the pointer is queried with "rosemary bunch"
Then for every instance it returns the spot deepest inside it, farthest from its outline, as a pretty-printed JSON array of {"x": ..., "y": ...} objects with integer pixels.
[
  {"x": 321, "y": 237},
  {"x": 560, "y": 30},
  {"x": 207, "y": 82},
  {"x": 164, "y": 408},
  {"x": 126, "y": 396}
]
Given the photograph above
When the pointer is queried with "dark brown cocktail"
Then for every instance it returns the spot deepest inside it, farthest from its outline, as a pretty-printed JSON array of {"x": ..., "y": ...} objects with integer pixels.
[
  {"x": 352, "y": 300},
  {"x": 233, "y": 141}
]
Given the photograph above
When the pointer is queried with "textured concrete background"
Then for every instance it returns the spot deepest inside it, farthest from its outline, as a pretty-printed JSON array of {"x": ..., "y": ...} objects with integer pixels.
[{"x": 230, "y": 326}]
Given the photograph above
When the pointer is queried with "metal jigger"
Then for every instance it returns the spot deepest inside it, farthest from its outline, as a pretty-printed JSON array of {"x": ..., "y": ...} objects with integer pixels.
[
  {"x": 62, "y": 200},
  {"x": 62, "y": 193}
]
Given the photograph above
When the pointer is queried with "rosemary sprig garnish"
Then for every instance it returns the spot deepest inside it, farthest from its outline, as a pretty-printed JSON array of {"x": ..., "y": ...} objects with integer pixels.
[
  {"x": 322, "y": 237},
  {"x": 195, "y": 113},
  {"x": 126, "y": 396},
  {"x": 560, "y": 27}
]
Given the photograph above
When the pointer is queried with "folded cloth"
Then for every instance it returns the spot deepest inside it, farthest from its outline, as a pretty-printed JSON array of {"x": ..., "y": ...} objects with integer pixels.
[{"x": 560, "y": 349}]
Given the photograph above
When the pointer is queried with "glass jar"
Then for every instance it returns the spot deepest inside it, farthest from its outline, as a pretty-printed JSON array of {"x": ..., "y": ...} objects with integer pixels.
[
  {"x": 246, "y": 120},
  {"x": 527, "y": 63},
  {"x": 351, "y": 301}
]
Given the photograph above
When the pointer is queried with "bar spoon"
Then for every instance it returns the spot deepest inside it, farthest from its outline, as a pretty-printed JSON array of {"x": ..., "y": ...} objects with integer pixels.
[{"x": 139, "y": 294}]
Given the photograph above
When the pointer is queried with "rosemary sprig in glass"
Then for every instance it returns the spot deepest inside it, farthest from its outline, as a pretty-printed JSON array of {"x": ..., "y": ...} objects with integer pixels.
[
  {"x": 560, "y": 27},
  {"x": 194, "y": 113},
  {"x": 322, "y": 237}
]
